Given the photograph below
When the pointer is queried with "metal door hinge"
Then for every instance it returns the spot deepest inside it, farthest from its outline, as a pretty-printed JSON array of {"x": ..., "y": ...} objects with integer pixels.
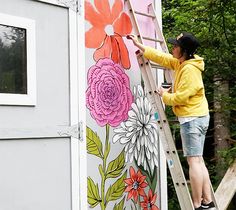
[
  {"x": 75, "y": 131},
  {"x": 80, "y": 131}
]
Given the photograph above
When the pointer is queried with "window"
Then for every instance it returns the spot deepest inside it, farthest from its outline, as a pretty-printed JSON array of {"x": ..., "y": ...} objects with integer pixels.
[
  {"x": 17, "y": 61},
  {"x": 13, "y": 68}
]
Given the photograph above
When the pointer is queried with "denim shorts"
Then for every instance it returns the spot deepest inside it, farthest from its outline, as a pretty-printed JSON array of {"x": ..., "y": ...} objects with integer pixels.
[{"x": 193, "y": 135}]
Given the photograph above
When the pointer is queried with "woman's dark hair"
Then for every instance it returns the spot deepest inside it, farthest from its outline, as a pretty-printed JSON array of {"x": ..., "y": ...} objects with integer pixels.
[
  {"x": 186, "y": 54},
  {"x": 188, "y": 44}
]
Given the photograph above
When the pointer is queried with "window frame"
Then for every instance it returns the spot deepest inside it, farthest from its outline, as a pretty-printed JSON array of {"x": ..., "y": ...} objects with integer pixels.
[{"x": 28, "y": 99}]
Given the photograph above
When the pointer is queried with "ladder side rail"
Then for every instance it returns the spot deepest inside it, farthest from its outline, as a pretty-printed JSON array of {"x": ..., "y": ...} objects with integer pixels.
[
  {"x": 157, "y": 26},
  {"x": 170, "y": 149},
  {"x": 169, "y": 77},
  {"x": 168, "y": 73},
  {"x": 180, "y": 194},
  {"x": 214, "y": 197},
  {"x": 135, "y": 22}
]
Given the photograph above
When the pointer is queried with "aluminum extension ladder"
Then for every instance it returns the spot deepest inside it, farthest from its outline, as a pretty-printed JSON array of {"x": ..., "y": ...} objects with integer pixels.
[{"x": 166, "y": 137}]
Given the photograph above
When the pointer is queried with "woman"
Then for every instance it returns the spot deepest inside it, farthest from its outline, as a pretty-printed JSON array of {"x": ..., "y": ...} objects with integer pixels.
[{"x": 189, "y": 105}]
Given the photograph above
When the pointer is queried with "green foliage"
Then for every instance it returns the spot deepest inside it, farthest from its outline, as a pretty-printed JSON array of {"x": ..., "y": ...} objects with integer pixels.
[
  {"x": 213, "y": 23},
  {"x": 229, "y": 156}
]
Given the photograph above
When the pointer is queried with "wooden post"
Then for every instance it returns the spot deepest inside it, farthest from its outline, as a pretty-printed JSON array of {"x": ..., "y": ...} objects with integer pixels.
[{"x": 227, "y": 188}]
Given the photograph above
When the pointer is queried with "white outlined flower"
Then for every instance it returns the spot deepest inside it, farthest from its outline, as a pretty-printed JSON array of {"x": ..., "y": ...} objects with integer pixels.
[{"x": 139, "y": 133}]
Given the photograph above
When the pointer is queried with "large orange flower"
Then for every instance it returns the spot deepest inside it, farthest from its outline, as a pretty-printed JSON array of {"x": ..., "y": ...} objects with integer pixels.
[{"x": 108, "y": 28}]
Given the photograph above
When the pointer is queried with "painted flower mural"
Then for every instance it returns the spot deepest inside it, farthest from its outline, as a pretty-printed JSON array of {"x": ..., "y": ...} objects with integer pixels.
[
  {"x": 135, "y": 184},
  {"x": 108, "y": 96},
  {"x": 109, "y": 25},
  {"x": 109, "y": 99},
  {"x": 110, "y": 103},
  {"x": 139, "y": 133},
  {"x": 149, "y": 201},
  {"x": 101, "y": 194},
  {"x": 140, "y": 137}
]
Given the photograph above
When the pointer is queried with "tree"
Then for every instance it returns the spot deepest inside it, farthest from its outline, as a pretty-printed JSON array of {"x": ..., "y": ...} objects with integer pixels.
[{"x": 213, "y": 23}]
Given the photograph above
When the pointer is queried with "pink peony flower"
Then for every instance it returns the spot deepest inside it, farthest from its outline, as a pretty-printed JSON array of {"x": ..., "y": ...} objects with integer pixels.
[{"x": 108, "y": 96}]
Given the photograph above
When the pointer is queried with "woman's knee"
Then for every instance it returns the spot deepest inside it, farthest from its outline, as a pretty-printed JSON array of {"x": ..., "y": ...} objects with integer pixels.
[{"x": 194, "y": 160}]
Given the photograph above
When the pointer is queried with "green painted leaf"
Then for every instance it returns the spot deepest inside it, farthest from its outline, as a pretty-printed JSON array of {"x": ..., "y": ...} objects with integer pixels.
[
  {"x": 116, "y": 190},
  {"x": 94, "y": 144},
  {"x": 120, "y": 205},
  {"x": 93, "y": 193},
  {"x": 154, "y": 180},
  {"x": 115, "y": 167}
]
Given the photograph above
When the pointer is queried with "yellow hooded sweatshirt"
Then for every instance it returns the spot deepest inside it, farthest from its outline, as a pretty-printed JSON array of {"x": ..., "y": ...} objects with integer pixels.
[{"x": 188, "y": 97}]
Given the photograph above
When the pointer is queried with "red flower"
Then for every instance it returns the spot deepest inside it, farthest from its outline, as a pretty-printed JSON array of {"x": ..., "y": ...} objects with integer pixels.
[
  {"x": 108, "y": 27},
  {"x": 135, "y": 185},
  {"x": 149, "y": 202}
]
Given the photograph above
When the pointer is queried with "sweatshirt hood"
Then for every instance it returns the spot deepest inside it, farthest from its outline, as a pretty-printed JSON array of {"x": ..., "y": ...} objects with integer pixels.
[{"x": 197, "y": 61}]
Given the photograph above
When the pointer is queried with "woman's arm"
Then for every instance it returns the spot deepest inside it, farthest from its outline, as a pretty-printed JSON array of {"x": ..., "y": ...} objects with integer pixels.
[
  {"x": 136, "y": 42},
  {"x": 163, "y": 59}
]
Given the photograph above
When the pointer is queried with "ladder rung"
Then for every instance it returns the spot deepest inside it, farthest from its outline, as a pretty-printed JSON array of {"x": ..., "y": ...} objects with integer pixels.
[
  {"x": 145, "y": 14},
  {"x": 154, "y": 65},
  {"x": 152, "y": 39}
]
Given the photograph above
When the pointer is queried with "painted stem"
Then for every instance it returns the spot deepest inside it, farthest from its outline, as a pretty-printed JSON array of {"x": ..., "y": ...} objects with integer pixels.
[
  {"x": 106, "y": 152},
  {"x": 134, "y": 204},
  {"x": 139, "y": 204}
]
